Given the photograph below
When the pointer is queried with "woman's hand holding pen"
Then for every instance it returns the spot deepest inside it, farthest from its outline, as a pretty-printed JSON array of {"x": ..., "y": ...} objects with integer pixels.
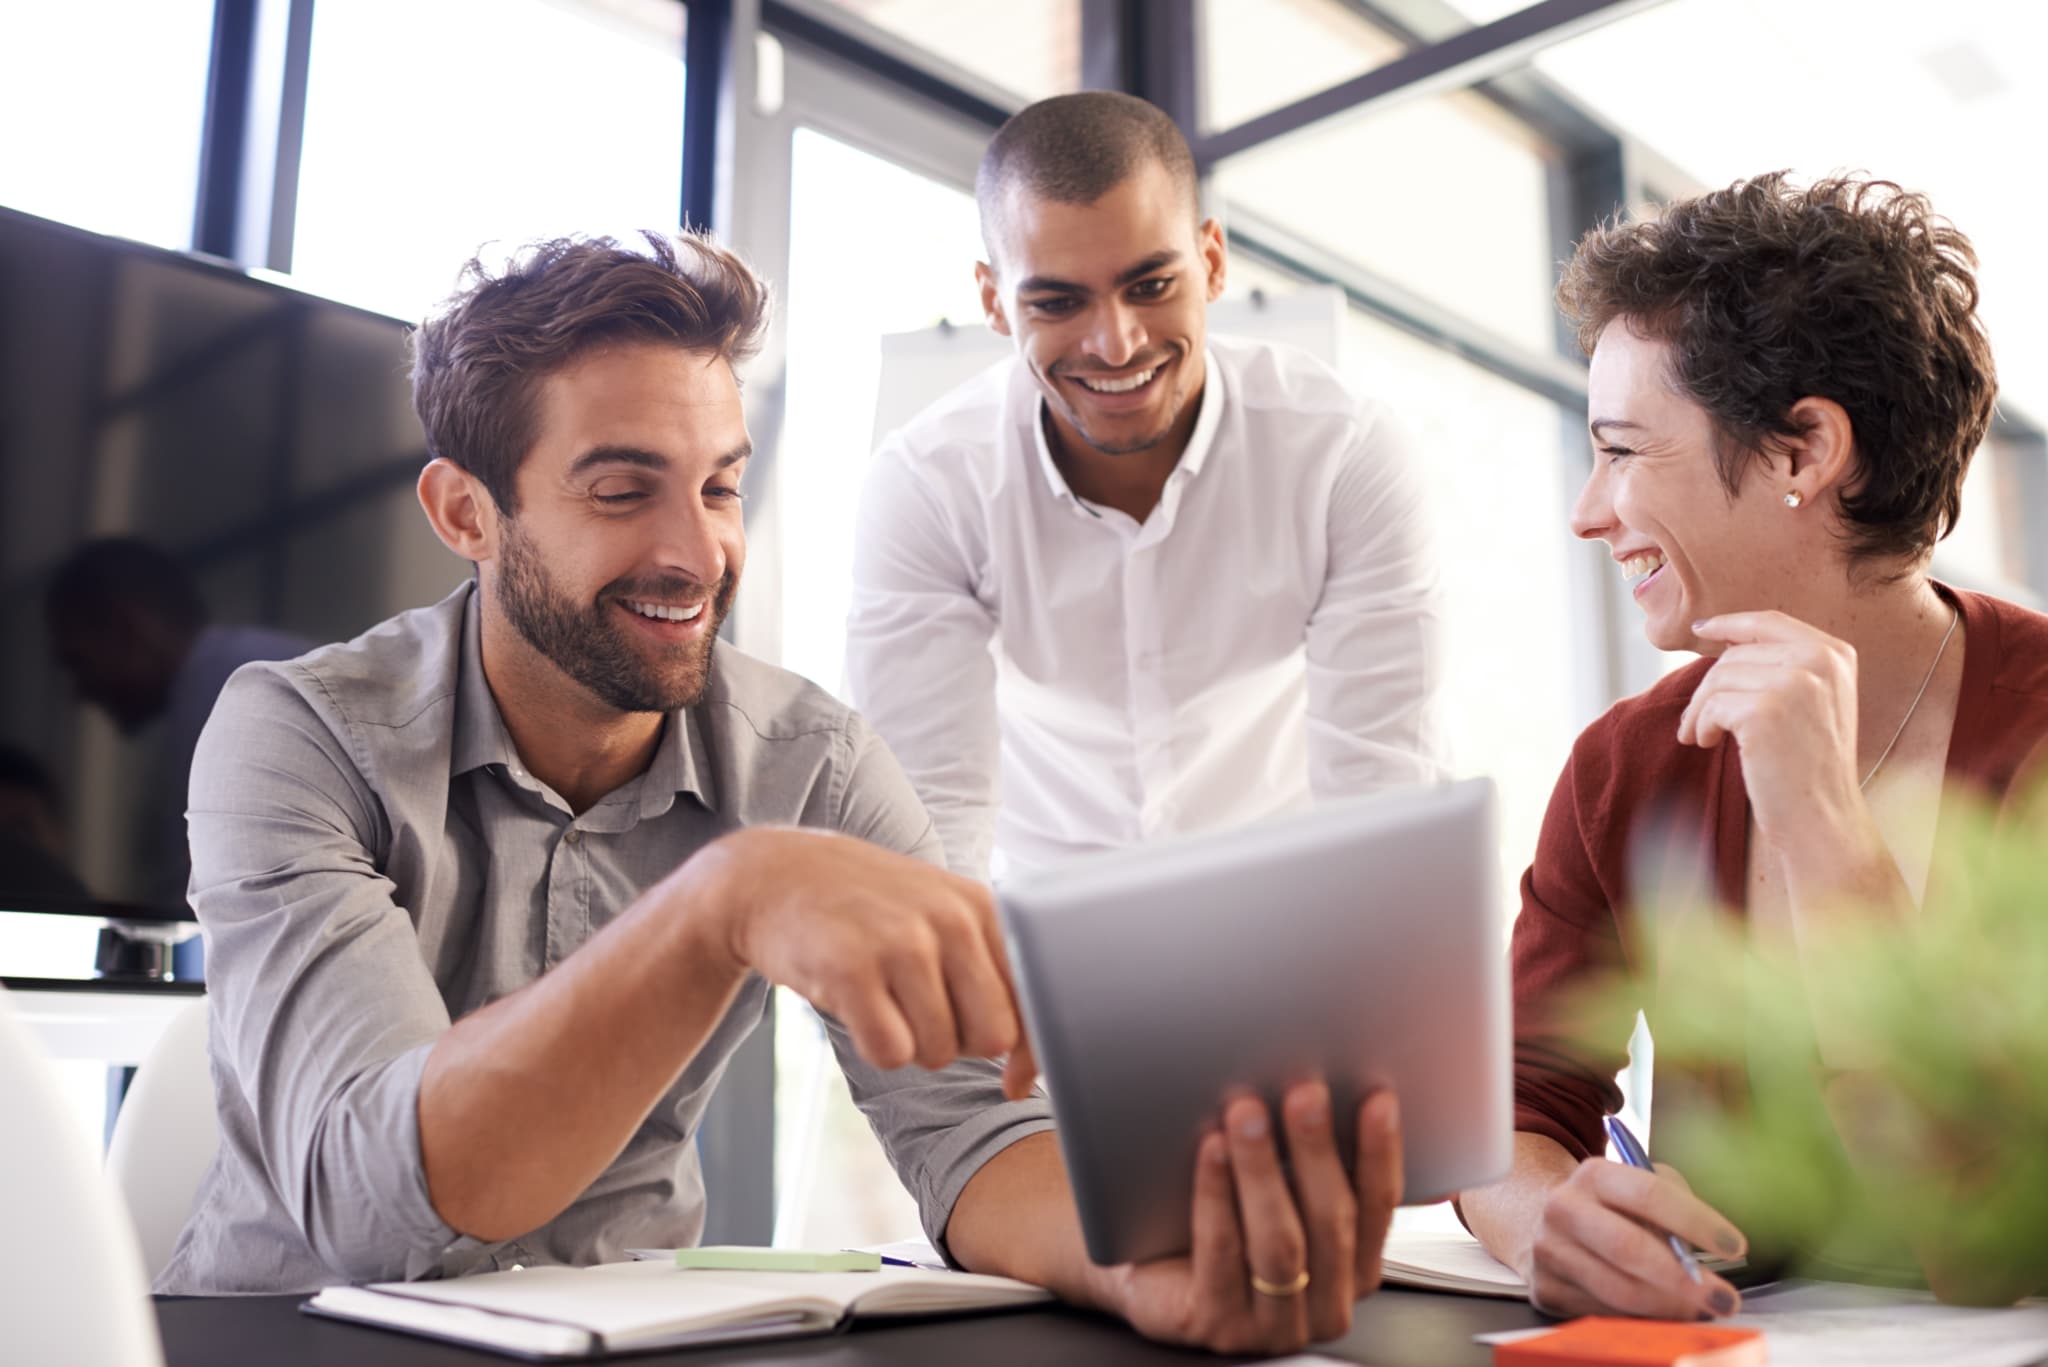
[{"x": 1600, "y": 1247}]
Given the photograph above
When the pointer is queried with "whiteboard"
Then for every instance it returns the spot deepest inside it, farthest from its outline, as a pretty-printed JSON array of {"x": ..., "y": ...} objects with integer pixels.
[{"x": 920, "y": 367}]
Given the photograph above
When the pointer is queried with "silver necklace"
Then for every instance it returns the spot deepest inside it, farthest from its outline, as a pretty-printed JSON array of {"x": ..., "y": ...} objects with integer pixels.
[{"x": 1955, "y": 615}]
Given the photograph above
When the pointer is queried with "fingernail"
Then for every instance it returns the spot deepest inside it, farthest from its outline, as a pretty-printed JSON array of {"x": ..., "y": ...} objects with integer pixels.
[
  {"x": 1390, "y": 1113},
  {"x": 1697, "y": 625},
  {"x": 1723, "y": 1301},
  {"x": 1314, "y": 1112},
  {"x": 1728, "y": 1243},
  {"x": 1216, "y": 1151},
  {"x": 1250, "y": 1122}
]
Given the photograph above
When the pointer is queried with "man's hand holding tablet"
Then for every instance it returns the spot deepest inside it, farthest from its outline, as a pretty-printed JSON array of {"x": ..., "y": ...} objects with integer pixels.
[
  {"x": 1310, "y": 1232},
  {"x": 1225, "y": 1024}
]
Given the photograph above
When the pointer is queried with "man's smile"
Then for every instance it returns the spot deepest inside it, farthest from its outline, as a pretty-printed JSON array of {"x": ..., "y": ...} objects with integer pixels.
[
  {"x": 1119, "y": 390},
  {"x": 670, "y": 622}
]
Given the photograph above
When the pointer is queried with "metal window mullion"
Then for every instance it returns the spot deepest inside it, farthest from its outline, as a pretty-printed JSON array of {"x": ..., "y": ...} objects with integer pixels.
[
  {"x": 844, "y": 37},
  {"x": 1455, "y": 63},
  {"x": 722, "y": 132},
  {"x": 1147, "y": 48},
  {"x": 246, "y": 204},
  {"x": 280, "y": 224},
  {"x": 707, "y": 95},
  {"x": 1584, "y": 188},
  {"x": 1545, "y": 373},
  {"x": 230, "y": 68}
]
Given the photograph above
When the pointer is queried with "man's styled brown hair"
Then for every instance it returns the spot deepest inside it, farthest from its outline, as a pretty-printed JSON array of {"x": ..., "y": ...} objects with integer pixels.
[
  {"x": 1852, "y": 290},
  {"x": 477, "y": 363}
]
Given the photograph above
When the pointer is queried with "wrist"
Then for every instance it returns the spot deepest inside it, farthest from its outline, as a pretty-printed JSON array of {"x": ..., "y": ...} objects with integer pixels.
[
  {"x": 704, "y": 903},
  {"x": 1100, "y": 1288},
  {"x": 1845, "y": 858}
]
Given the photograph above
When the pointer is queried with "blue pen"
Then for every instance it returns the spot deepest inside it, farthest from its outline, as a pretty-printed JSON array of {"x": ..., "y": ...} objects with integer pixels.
[{"x": 1632, "y": 1154}]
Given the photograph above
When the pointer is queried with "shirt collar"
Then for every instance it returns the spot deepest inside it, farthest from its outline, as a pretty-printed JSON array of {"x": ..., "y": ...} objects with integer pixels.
[
  {"x": 481, "y": 739},
  {"x": 480, "y": 736},
  {"x": 1207, "y": 419}
]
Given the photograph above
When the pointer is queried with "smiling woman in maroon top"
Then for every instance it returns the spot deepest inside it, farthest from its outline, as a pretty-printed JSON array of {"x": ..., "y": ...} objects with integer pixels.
[{"x": 1787, "y": 385}]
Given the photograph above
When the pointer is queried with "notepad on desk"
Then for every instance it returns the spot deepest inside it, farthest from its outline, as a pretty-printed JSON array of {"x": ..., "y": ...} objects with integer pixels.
[
  {"x": 1826, "y": 1324},
  {"x": 1605, "y": 1342},
  {"x": 1437, "y": 1261},
  {"x": 550, "y": 1313},
  {"x": 1430, "y": 1250}
]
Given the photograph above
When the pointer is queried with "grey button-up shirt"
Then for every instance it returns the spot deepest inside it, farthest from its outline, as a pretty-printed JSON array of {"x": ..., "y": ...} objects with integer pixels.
[
  {"x": 371, "y": 861},
  {"x": 215, "y": 655}
]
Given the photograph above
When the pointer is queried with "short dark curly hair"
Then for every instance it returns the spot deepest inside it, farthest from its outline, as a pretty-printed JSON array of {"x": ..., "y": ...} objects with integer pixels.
[
  {"x": 1851, "y": 289},
  {"x": 477, "y": 363}
]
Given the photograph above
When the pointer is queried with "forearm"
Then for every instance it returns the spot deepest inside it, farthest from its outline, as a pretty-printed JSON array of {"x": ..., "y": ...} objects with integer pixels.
[
  {"x": 1504, "y": 1216},
  {"x": 1016, "y": 1218},
  {"x": 523, "y": 1103}
]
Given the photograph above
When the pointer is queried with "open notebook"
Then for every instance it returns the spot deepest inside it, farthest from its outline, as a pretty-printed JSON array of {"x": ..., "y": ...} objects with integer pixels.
[
  {"x": 571, "y": 1312},
  {"x": 1428, "y": 1248}
]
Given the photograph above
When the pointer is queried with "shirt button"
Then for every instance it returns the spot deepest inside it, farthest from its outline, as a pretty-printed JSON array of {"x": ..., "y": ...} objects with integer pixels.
[{"x": 573, "y": 836}]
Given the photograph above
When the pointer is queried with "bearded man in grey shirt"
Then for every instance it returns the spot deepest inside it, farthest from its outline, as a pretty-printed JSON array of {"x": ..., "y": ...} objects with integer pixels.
[{"x": 492, "y": 892}]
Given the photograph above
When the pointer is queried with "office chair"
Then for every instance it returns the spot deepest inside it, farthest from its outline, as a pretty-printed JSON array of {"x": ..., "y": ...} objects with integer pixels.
[
  {"x": 75, "y": 1292},
  {"x": 166, "y": 1136}
]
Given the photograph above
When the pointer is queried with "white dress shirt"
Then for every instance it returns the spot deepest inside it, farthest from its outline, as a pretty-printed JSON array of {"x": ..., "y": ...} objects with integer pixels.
[{"x": 1058, "y": 678}]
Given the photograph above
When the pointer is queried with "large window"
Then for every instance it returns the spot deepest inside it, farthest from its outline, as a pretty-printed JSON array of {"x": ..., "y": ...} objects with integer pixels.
[
  {"x": 492, "y": 122},
  {"x": 854, "y": 277},
  {"x": 1931, "y": 96},
  {"x": 1985, "y": 551},
  {"x": 1027, "y": 48},
  {"x": 102, "y": 104},
  {"x": 1494, "y": 456},
  {"x": 1444, "y": 195},
  {"x": 1499, "y": 465},
  {"x": 1934, "y": 114},
  {"x": 1258, "y": 55}
]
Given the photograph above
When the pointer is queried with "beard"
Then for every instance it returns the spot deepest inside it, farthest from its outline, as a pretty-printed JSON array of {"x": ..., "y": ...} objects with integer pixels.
[{"x": 591, "y": 647}]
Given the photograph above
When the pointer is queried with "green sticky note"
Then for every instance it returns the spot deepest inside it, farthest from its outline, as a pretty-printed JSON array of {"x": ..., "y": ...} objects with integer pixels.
[{"x": 739, "y": 1258}]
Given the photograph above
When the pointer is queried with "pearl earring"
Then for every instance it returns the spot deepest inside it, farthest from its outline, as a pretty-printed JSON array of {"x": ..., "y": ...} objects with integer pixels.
[{"x": 1793, "y": 498}]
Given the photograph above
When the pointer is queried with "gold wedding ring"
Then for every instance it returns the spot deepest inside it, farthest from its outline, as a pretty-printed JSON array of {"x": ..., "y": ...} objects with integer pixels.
[{"x": 1280, "y": 1289}]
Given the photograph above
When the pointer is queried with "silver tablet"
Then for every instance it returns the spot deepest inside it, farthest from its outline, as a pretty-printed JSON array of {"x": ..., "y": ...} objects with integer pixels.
[{"x": 1362, "y": 941}]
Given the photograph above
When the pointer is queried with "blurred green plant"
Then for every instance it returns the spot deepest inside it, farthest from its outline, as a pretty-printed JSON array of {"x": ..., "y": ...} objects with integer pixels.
[{"x": 1876, "y": 1095}]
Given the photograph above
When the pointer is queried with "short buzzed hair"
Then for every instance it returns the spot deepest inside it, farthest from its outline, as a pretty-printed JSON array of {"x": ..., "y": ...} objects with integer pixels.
[{"x": 1074, "y": 149}]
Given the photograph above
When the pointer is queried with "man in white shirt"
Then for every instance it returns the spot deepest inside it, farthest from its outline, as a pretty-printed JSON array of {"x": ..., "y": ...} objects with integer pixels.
[{"x": 1159, "y": 581}]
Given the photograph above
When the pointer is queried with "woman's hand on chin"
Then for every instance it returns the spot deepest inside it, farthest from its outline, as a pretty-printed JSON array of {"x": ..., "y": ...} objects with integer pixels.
[{"x": 1786, "y": 692}]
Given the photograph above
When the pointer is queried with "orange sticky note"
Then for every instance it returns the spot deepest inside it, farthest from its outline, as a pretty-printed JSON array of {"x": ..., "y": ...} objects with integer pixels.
[{"x": 1600, "y": 1342}]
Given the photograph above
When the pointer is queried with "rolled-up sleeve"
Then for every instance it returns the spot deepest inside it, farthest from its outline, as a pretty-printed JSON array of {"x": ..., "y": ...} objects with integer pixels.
[
  {"x": 323, "y": 1009},
  {"x": 937, "y": 1127},
  {"x": 1375, "y": 647}
]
